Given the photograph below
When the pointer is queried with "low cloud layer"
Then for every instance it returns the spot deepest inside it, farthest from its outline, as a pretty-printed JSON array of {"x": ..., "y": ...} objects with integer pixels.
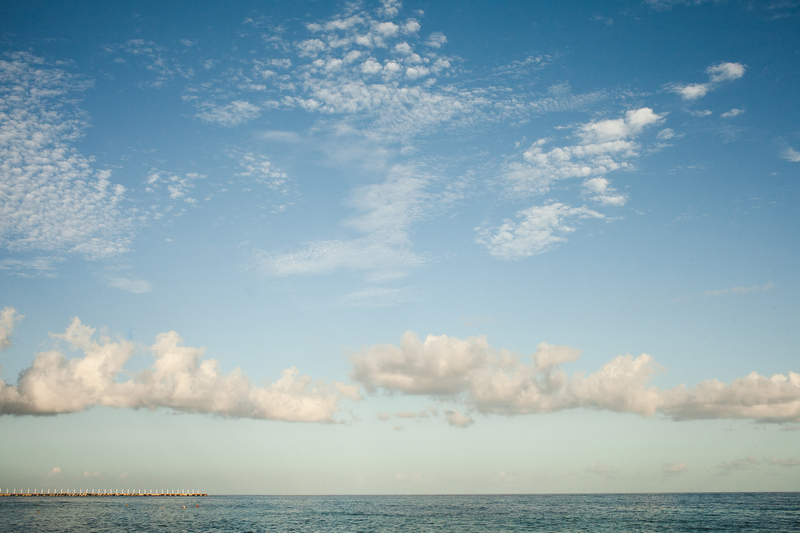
[
  {"x": 497, "y": 381},
  {"x": 179, "y": 379}
]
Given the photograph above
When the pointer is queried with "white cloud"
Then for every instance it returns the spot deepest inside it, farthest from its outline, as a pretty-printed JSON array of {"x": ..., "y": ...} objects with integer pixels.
[
  {"x": 38, "y": 267},
  {"x": 665, "y": 134},
  {"x": 599, "y": 190},
  {"x": 170, "y": 188},
  {"x": 135, "y": 286},
  {"x": 740, "y": 290},
  {"x": 500, "y": 382},
  {"x": 436, "y": 40},
  {"x": 604, "y": 131},
  {"x": 179, "y": 379},
  {"x": 282, "y": 136},
  {"x": 91, "y": 474},
  {"x": 310, "y": 47},
  {"x": 456, "y": 419},
  {"x": 51, "y": 199},
  {"x": 790, "y": 154},
  {"x": 606, "y": 146},
  {"x": 692, "y": 91},
  {"x": 387, "y": 29},
  {"x": 232, "y": 114},
  {"x": 261, "y": 170},
  {"x": 386, "y": 211},
  {"x": 674, "y": 468},
  {"x": 411, "y": 26},
  {"x": 425, "y": 413},
  {"x": 716, "y": 74},
  {"x": 370, "y": 297},
  {"x": 700, "y": 113},
  {"x": 725, "y": 72},
  {"x": 390, "y": 8},
  {"x": 55, "y": 472},
  {"x": 152, "y": 58},
  {"x": 9, "y": 317},
  {"x": 732, "y": 113},
  {"x": 540, "y": 228}
]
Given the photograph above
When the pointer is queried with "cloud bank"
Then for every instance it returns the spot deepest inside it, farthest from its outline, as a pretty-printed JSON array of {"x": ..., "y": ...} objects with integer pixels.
[
  {"x": 179, "y": 379},
  {"x": 497, "y": 381}
]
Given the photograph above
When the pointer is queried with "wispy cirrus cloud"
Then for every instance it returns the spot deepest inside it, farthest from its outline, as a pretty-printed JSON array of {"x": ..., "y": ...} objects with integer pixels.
[
  {"x": 740, "y": 290},
  {"x": 37, "y": 267},
  {"x": 383, "y": 251},
  {"x": 790, "y": 154}
]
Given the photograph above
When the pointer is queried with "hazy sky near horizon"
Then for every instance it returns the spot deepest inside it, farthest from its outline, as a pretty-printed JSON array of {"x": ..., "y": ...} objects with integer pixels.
[{"x": 385, "y": 247}]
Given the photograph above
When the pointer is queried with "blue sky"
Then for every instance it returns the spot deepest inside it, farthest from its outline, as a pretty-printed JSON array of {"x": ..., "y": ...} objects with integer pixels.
[{"x": 378, "y": 247}]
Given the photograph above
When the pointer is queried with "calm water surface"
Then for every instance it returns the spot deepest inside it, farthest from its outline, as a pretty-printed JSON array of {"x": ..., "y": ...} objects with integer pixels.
[{"x": 551, "y": 513}]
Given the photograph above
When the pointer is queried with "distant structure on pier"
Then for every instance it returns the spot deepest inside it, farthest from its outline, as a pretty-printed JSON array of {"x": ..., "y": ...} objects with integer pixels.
[{"x": 97, "y": 493}]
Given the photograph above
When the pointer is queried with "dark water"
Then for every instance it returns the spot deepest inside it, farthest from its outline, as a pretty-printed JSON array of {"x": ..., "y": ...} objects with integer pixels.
[{"x": 607, "y": 512}]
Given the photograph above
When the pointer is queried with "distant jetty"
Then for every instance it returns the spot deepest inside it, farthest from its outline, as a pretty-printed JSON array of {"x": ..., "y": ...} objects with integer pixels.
[{"x": 77, "y": 493}]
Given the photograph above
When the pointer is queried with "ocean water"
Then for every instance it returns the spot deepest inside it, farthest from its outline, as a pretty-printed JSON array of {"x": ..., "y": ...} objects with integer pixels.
[{"x": 730, "y": 512}]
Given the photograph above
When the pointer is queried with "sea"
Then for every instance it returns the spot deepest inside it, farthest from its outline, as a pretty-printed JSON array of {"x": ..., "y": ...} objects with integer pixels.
[{"x": 730, "y": 512}]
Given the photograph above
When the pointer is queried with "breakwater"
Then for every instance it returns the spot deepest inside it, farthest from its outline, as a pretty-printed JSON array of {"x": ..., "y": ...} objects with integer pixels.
[{"x": 77, "y": 493}]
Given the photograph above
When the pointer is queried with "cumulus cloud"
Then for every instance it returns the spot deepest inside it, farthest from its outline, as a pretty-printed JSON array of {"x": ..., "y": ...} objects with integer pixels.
[
  {"x": 606, "y": 146},
  {"x": 501, "y": 382},
  {"x": 539, "y": 229},
  {"x": 179, "y": 379},
  {"x": 716, "y": 74},
  {"x": 51, "y": 199},
  {"x": 436, "y": 40},
  {"x": 456, "y": 419},
  {"x": 693, "y": 91},
  {"x": 600, "y": 190},
  {"x": 55, "y": 472},
  {"x": 8, "y": 319},
  {"x": 725, "y": 72}
]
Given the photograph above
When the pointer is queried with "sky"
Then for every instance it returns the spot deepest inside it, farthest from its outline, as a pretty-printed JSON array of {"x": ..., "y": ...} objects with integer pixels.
[{"x": 400, "y": 248}]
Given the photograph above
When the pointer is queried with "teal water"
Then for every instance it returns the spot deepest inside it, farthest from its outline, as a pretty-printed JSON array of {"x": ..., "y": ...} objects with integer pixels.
[{"x": 705, "y": 512}]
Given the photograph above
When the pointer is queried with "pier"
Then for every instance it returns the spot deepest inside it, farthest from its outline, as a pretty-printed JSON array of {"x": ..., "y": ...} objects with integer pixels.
[{"x": 107, "y": 493}]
